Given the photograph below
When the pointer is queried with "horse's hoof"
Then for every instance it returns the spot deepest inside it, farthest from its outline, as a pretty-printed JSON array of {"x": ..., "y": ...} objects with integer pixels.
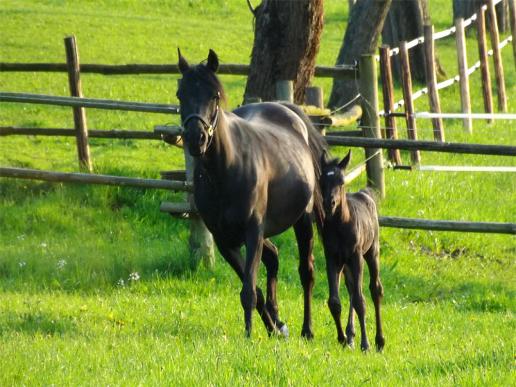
[
  {"x": 284, "y": 331},
  {"x": 351, "y": 343},
  {"x": 364, "y": 348}
]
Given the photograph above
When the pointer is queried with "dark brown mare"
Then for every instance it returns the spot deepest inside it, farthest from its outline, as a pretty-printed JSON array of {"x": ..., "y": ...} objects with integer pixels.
[
  {"x": 350, "y": 236},
  {"x": 256, "y": 174}
]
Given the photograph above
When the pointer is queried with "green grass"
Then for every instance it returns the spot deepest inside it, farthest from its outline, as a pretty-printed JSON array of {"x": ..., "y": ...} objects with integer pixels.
[{"x": 69, "y": 314}]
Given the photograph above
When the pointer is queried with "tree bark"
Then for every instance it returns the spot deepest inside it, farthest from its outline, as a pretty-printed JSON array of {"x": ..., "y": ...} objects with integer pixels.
[
  {"x": 405, "y": 22},
  {"x": 286, "y": 42},
  {"x": 362, "y": 34},
  {"x": 466, "y": 8}
]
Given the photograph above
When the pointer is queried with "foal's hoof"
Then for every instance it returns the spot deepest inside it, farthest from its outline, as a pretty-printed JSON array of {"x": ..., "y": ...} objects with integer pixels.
[
  {"x": 380, "y": 343},
  {"x": 307, "y": 334}
]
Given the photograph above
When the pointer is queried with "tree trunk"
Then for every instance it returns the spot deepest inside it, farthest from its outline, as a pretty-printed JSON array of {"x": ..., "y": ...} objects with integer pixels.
[
  {"x": 405, "y": 22},
  {"x": 286, "y": 42},
  {"x": 365, "y": 26},
  {"x": 466, "y": 8}
]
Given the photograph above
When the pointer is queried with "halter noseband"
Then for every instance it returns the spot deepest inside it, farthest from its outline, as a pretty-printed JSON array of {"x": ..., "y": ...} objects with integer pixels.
[{"x": 208, "y": 127}]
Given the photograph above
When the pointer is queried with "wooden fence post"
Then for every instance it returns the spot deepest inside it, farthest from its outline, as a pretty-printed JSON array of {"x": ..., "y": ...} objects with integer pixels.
[
  {"x": 79, "y": 114},
  {"x": 460, "y": 39},
  {"x": 512, "y": 10},
  {"x": 431, "y": 82},
  {"x": 498, "y": 65},
  {"x": 285, "y": 91},
  {"x": 484, "y": 63},
  {"x": 406, "y": 83},
  {"x": 371, "y": 121},
  {"x": 391, "y": 130},
  {"x": 314, "y": 96}
]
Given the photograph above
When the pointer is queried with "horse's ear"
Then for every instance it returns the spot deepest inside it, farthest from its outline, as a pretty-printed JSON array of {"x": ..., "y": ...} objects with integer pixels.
[
  {"x": 213, "y": 61},
  {"x": 182, "y": 63},
  {"x": 345, "y": 161}
]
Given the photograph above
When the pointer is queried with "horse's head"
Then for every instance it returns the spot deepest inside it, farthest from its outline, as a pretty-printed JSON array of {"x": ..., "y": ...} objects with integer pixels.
[
  {"x": 199, "y": 95},
  {"x": 332, "y": 182}
]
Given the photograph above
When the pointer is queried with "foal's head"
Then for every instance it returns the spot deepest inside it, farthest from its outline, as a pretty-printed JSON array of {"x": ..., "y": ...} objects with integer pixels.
[
  {"x": 199, "y": 94},
  {"x": 332, "y": 183}
]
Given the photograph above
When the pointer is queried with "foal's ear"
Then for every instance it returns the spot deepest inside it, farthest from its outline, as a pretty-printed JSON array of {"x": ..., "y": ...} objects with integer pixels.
[
  {"x": 182, "y": 63},
  {"x": 324, "y": 158},
  {"x": 213, "y": 61},
  {"x": 345, "y": 161}
]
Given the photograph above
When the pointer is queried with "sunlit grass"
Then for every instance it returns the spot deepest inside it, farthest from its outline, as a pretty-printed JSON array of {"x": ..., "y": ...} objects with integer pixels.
[{"x": 96, "y": 285}]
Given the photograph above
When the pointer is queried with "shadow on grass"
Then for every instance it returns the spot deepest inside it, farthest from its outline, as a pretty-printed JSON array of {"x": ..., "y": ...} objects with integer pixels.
[
  {"x": 33, "y": 323},
  {"x": 464, "y": 295}
]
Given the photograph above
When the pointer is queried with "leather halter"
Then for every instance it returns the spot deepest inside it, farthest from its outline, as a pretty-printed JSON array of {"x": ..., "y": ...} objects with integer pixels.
[{"x": 208, "y": 127}]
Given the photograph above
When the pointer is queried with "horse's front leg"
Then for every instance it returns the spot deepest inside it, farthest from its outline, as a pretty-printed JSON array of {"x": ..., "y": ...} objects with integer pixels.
[
  {"x": 234, "y": 258},
  {"x": 304, "y": 237},
  {"x": 254, "y": 247},
  {"x": 270, "y": 260}
]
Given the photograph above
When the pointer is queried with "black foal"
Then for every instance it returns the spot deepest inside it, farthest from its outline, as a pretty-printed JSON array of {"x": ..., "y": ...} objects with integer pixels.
[{"x": 350, "y": 236}]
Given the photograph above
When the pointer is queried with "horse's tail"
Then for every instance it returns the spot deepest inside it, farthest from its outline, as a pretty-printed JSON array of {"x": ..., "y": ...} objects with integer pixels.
[{"x": 318, "y": 147}]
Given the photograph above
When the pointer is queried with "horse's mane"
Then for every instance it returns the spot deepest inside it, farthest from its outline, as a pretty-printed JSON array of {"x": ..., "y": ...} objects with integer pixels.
[{"x": 205, "y": 74}]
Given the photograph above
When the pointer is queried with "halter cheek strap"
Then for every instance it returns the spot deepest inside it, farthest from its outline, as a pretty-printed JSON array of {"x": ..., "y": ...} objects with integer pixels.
[{"x": 209, "y": 127}]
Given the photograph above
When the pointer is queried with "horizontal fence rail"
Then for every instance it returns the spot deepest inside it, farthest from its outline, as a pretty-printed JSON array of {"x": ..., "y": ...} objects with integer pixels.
[
  {"x": 86, "y": 178},
  {"x": 475, "y": 116},
  {"x": 92, "y": 133},
  {"x": 185, "y": 209},
  {"x": 447, "y": 225},
  {"x": 89, "y": 103},
  {"x": 433, "y": 146},
  {"x": 341, "y": 71}
]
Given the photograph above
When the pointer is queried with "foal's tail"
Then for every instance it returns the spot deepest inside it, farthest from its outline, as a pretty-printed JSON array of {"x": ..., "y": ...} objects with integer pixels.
[{"x": 318, "y": 147}]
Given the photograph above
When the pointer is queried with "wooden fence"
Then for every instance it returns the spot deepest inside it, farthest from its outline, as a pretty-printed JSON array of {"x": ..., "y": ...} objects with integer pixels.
[{"x": 432, "y": 90}]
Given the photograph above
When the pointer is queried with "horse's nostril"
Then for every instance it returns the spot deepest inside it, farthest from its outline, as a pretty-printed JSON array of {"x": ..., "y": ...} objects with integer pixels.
[{"x": 202, "y": 138}]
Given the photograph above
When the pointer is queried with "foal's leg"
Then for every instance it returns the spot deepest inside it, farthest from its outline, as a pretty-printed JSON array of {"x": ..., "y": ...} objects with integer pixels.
[
  {"x": 234, "y": 258},
  {"x": 350, "y": 327},
  {"x": 372, "y": 258},
  {"x": 333, "y": 270},
  {"x": 356, "y": 267},
  {"x": 270, "y": 260},
  {"x": 304, "y": 237}
]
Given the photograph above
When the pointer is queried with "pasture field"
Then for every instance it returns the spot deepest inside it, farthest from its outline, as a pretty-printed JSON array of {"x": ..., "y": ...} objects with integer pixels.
[{"x": 96, "y": 287}]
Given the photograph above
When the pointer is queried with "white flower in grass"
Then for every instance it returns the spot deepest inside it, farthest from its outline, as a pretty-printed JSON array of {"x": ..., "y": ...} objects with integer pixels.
[
  {"x": 61, "y": 264},
  {"x": 21, "y": 237},
  {"x": 121, "y": 282},
  {"x": 22, "y": 263},
  {"x": 134, "y": 276},
  {"x": 43, "y": 245}
]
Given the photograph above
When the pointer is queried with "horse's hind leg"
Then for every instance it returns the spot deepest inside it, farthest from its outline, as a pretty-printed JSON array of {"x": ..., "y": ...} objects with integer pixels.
[
  {"x": 304, "y": 237},
  {"x": 372, "y": 258},
  {"x": 270, "y": 260},
  {"x": 334, "y": 271},
  {"x": 350, "y": 327},
  {"x": 234, "y": 258},
  {"x": 356, "y": 267}
]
